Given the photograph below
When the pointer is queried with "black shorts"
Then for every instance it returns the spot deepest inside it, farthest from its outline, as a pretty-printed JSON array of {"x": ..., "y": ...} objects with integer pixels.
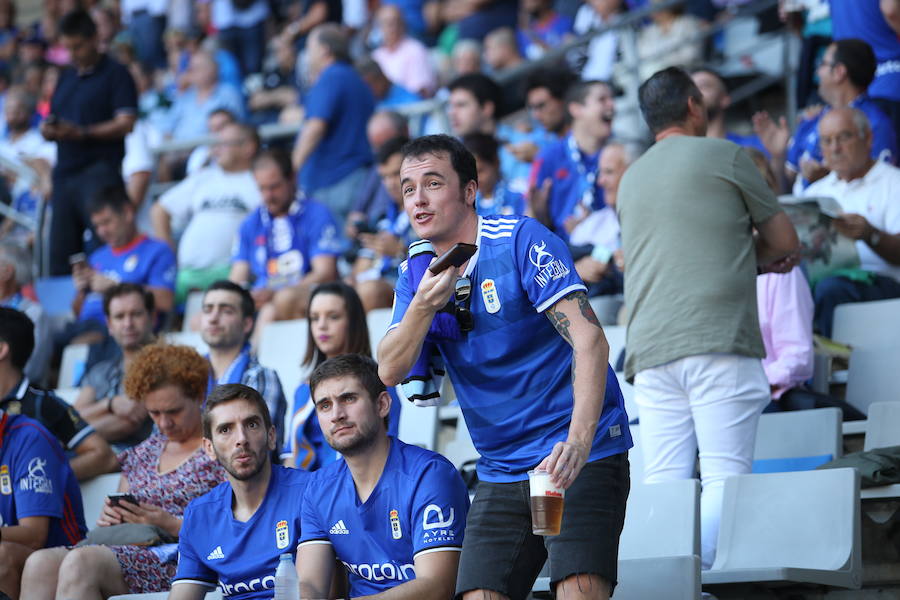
[{"x": 501, "y": 554}]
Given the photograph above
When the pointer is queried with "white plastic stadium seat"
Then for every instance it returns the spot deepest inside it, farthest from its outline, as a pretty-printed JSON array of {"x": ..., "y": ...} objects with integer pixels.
[
  {"x": 868, "y": 325},
  {"x": 872, "y": 377},
  {"x": 188, "y": 338},
  {"x": 378, "y": 321},
  {"x": 69, "y": 394},
  {"x": 797, "y": 440},
  {"x": 282, "y": 346},
  {"x": 801, "y": 527},
  {"x": 74, "y": 358},
  {"x": 93, "y": 495}
]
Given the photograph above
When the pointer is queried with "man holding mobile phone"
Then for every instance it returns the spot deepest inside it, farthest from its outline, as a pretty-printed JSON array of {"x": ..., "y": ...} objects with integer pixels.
[{"x": 535, "y": 389}]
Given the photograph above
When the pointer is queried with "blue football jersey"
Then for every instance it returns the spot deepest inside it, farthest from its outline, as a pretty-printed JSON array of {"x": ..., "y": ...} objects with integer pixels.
[
  {"x": 418, "y": 505},
  {"x": 864, "y": 20},
  {"x": 241, "y": 556},
  {"x": 512, "y": 373},
  {"x": 145, "y": 261},
  {"x": 36, "y": 481},
  {"x": 280, "y": 251}
]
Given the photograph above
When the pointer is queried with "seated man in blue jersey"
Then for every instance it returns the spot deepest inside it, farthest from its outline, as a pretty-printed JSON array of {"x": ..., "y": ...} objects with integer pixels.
[
  {"x": 235, "y": 534},
  {"x": 90, "y": 453},
  {"x": 126, "y": 256},
  {"x": 563, "y": 186},
  {"x": 226, "y": 321},
  {"x": 518, "y": 320},
  {"x": 392, "y": 513},
  {"x": 286, "y": 246},
  {"x": 40, "y": 503},
  {"x": 845, "y": 72}
]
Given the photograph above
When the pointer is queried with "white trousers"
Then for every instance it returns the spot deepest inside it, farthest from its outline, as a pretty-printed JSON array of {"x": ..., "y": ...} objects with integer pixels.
[{"x": 709, "y": 402}]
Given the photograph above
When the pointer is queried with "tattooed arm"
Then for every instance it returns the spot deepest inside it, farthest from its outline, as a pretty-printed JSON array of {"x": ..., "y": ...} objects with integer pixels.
[{"x": 575, "y": 321}]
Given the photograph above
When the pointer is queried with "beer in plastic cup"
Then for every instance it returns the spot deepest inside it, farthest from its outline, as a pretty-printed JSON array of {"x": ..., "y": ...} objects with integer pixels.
[{"x": 546, "y": 504}]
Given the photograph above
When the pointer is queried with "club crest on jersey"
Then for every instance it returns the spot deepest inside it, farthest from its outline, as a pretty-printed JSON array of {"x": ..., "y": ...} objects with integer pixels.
[
  {"x": 5, "y": 481},
  {"x": 396, "y": 532},
  {"x": 130, "y": 263},
  {"x": 282, "y": 539},
  {"x": 490, "y": 295}
]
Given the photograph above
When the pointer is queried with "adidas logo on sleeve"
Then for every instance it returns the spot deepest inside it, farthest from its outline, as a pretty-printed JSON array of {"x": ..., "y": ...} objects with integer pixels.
[
  {"x": 339, "y": 529},
  {"x": 216, "y": 554}
]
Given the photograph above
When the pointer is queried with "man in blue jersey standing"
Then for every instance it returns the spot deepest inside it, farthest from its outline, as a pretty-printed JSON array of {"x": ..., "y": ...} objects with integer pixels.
[
  {"x": 392, "y": 513},
  {"x": 235, "y": 534},
  {"x": 529, "y": 366}
]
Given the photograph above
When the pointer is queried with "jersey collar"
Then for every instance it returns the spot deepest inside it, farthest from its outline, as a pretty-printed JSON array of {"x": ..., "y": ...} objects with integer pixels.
[
  {"x": 129, "y": 246},
  {"x": 19, "y": 392},
  {"x": 470, "y": 266}
]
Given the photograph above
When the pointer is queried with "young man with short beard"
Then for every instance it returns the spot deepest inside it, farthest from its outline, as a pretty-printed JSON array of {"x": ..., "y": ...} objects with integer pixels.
[
  {"x": 235, "y": 534},
  {"x": 392, "y": 513}
]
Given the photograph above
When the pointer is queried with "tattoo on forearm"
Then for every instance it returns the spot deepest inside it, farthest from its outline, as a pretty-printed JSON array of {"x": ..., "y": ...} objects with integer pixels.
[
  {"x": 586, "y": 310},
  {"x": 561, "y": 322}
]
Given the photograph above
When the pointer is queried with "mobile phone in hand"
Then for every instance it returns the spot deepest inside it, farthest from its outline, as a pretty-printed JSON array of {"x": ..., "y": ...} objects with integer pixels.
[
  {"x": 114, "y": 499},
  {"x": 455, "y": 256}
]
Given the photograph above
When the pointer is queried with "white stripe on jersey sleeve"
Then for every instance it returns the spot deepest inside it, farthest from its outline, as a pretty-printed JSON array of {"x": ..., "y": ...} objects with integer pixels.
[
  {"x": 311, "y": 542},
  {"x": 438, "y": 549},
  {"x": 205, "y": 584},
  {"x": 578, "y": 287},
  {"x": 496, "y": 236}
]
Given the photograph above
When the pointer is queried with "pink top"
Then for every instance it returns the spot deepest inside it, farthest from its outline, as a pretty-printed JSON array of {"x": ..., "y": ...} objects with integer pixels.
[
  {"x": 785, "y": 320},
  {"x": 408, "y": 65}
]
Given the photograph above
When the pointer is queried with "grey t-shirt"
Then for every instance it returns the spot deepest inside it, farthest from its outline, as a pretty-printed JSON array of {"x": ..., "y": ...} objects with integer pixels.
[
  {"x": 107, "y": 378},
  {"x": 686, "y": 209}
]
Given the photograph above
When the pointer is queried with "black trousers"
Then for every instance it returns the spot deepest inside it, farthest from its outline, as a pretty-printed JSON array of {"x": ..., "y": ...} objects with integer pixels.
[{"x": 70, "y": 223}]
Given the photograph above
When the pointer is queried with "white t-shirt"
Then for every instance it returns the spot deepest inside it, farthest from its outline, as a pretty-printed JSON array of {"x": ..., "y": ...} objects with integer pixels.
[
  {"x": 876, "y": 196},
  {"x": 209, "y": 206},
  {"x": 28, "y": 146}
]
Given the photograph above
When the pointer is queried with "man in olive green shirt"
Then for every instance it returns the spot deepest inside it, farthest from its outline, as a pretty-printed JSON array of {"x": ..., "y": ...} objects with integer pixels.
[{"x": 687, "y": 209}]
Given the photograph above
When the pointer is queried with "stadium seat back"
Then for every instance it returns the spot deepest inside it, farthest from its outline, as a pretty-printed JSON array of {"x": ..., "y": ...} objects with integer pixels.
[
  {"x": 93, "y": 495},
  {"x": 282, "y": 346},
  {"x": 883, "y": 425},
  {"x": 872, "y": 377},
  {"x": 868, "y": 325},
  {"x": 797, "y": 440},
  {"x": 74, "y": 361},
  {"x": 662, "y": 519}
]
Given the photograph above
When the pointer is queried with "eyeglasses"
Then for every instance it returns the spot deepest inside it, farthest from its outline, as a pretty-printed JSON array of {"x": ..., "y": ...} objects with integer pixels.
[
  {"x": 537, "y": 106},
  {"x": 463, "y": 298}
]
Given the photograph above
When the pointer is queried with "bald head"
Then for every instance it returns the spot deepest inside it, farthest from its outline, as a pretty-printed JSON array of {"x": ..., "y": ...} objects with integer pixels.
[
  {"x": 845, "y": 137},
  {"x": 385, "y": 125},
  {"x": 391, "y": 24},
  {"x": 614, "y": 161}
]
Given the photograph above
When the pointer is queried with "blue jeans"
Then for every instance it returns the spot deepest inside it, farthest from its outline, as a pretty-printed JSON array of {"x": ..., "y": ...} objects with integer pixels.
[{"x": 832, "y": 291}]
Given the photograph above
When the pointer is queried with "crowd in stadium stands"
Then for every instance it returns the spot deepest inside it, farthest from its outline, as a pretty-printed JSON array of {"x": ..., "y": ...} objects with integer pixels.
[{"x": 147, "y": 137}]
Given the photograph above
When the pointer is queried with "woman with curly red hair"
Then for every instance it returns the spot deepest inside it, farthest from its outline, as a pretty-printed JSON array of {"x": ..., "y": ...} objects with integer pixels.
[{"x": 163, "y": 474}]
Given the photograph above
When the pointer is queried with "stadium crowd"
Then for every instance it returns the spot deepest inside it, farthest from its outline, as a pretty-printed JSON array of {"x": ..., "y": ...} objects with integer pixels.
[{"x": 147, "y": 137}]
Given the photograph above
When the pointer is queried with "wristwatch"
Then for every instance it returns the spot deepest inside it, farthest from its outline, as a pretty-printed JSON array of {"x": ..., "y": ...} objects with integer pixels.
[{"x": 874, "y": 238}]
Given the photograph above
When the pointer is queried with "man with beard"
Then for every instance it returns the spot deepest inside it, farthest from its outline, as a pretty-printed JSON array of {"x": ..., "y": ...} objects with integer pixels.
[
  {"x": 564, "y": 175},
  {"x": 260, "y": 501},
  {"x": 226, "y": 321},
  {"x": 392, "y": 513}
]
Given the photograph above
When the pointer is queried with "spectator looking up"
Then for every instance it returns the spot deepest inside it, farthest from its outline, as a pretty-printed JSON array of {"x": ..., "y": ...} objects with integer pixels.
[
  {"x": 102, "y": 400},
  {"x": 226, "y": 322},
  {"x": 90, "y": 454},
  {"x": 93, "y": 108},
  {"x": 163, "y": 473},
  {"x": 337, "y": 325},
  {"x": 286, "y": 246},
  {"x": 687, "y": 337},
  {"x": 238, "y": 432},
  {"x": 419, "y": 490},
  {"x": 331, "y": 154},
  {"x": 867, "y": 190},
  {"x": 564, "y": 175},
  {"x": 207, "y": 208}
]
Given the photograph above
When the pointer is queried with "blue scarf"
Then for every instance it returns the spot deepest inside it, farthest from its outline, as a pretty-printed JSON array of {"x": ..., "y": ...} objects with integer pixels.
[
  {"x": 233, "y": 373},
  {"x": 422, "y": 385}
]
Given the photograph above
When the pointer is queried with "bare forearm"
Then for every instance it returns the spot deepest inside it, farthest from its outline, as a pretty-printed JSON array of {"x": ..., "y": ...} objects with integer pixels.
[
  {"x": 26, "y": 536},
  {"x": 891, "y": 11},
  {"x": 417, "y": 589},
  {"x": 400, "y": 348},
  {"x": 164, "y": 299},
  {"x": 888, "y": 247},
  {"x": 114, "y": 129},
  {"x": 310, "y": 136},
  {"x": 162, "y": 224},
  {"x": 93, "y": 462},
  {"x": 112, "y": 427}
]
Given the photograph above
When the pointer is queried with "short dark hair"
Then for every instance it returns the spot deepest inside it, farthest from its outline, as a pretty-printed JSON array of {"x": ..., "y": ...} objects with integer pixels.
[
  {"x": 556, "y": 81},
  {"x": 664, "y": 98},
  {"x": 859, "y": 59},
  {"x": 483, "y": 146},
  {"x": 248, "y": 307},
  {"x": 482, "y": 87},
  {"x": 229, "y": 114},
  {"x": 78, "y": 23},
  {"x": 357, "y": 327},
  {"x": 123, "y": 289},
  {"x": 114, "y": 197},
  {"x": 17, "y": 330},
  {"x": 277, "y": 157},
  {"x": 389, "y": 148},
  {"x": 248, "y": 131},
  {"x": 363, "y": 368},
  {"x": 462, "y": 160},
  {"x": 228, "y": 392},
  {"x": 335, "y": 41},
  {"x": 578, "y": 92},
  {"x": 712, "y": 72}
]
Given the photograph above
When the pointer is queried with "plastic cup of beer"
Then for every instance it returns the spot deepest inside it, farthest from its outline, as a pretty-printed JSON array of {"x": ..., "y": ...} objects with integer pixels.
[{"x": 546, "y": 504}]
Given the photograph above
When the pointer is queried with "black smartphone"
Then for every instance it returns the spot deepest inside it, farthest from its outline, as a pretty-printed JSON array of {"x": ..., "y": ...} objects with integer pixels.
[
  {"x": 77, "y": 259},
  {"x": 455, "y": 256},
  {"x": 114, "y": 499}
]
